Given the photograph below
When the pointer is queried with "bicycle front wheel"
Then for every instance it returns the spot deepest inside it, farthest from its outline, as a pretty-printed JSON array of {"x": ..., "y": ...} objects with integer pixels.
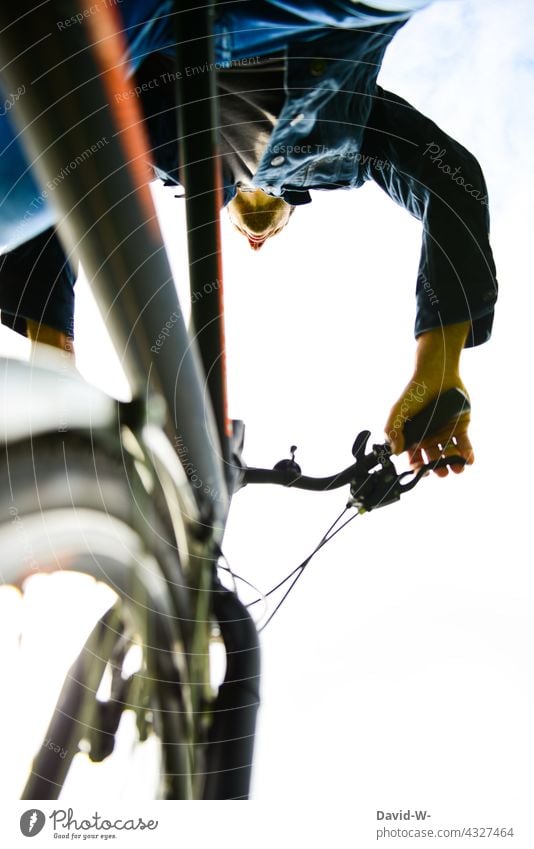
[{"x": 68, "y": 506}]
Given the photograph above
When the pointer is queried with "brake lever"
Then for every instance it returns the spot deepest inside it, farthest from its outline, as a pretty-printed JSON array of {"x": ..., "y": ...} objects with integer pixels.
[
  {"x": 371, "y": 488},
  {"x": 442, "y": 463}
]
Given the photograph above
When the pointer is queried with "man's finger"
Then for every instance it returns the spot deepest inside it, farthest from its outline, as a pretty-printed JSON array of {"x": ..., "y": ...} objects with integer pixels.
[
  {"x": 464, "y": 448},
  {"x": 434, "y": 453},
  {"x": 415, "y": 458}
]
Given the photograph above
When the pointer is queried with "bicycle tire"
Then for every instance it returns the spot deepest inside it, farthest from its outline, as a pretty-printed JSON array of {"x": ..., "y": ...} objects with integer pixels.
[{"x": 81, "y": 509}]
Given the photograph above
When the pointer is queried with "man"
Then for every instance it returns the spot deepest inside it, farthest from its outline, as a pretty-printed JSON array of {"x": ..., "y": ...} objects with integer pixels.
[{"x": 300, "y": 110}]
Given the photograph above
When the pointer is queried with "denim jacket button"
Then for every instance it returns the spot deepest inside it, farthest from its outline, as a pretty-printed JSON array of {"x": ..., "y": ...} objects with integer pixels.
[
  {"x": 278, "y": 160},
  {"x": 317, "y": 67},
  {"x": 297, "y": 119}
]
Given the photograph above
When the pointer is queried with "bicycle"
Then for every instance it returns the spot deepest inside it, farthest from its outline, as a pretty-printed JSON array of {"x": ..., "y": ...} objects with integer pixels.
[{"x": 136, "y": 494}]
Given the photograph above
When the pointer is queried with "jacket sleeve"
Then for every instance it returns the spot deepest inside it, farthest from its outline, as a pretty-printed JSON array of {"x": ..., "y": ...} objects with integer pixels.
[
  {"x": 439, "y": 182},
  {"x": 37, "y": 282}
]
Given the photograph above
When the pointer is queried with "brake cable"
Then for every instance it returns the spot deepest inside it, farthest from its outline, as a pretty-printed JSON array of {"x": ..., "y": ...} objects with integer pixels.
[
  {"x": 297, "y": 571},
  {"x": 370, "y": 487}
]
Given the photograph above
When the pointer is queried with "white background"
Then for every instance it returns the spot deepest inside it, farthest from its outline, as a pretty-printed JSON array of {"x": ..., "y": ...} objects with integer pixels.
[{"x": 399, "y": 672}]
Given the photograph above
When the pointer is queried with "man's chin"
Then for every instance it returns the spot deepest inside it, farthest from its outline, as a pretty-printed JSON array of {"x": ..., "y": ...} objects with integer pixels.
[{"x": 256, "y": 242}]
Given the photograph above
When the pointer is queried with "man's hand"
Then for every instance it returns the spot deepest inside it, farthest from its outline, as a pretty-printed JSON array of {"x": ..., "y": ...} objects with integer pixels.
[
  {"x": 437, "y": 368},
  {"x": 46, "y": 335}
]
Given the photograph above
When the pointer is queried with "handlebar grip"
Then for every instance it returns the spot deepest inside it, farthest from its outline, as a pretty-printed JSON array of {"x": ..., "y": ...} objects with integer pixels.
[{"x": 444, "y": 409}]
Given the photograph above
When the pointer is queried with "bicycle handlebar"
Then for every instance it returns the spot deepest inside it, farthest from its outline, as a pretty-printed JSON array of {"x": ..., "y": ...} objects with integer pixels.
[{"x": 371, "y": 489}]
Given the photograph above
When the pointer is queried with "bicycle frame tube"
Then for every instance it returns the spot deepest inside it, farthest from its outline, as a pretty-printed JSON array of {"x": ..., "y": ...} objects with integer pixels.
[
  {"x": 231, "y": 737},
  {"x": 200, "y": 174},
  {"x": 107, "y": 219},
  {"x": 106, "y": 216}
]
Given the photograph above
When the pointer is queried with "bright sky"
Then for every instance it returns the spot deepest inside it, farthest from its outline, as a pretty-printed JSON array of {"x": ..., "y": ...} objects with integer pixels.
[{"x": 398, "y": 673}]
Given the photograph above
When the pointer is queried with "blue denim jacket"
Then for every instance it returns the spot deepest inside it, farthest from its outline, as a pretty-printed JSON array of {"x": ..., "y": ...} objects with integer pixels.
[
  {"x": 330, "y": 85},
  {"x": 333, "y": 48},
  {"x": 328, "y": 50},
  {"x": 338, "y": 129}
]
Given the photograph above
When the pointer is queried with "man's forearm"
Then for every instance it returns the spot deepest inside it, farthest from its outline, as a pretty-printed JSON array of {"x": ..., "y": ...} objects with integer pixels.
[{"x": 438, "y": 352}]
